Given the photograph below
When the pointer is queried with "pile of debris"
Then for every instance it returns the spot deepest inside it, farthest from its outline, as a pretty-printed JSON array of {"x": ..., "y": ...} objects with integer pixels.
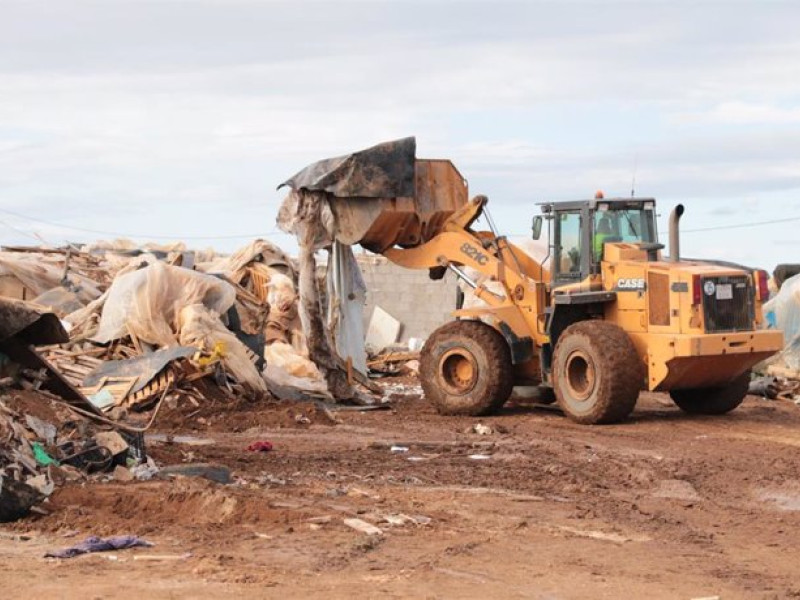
[
  {"x": 164, "y": 323},
  {"x": 44, "y": 437},
  {"x": 780, "y": 374},
  {"x": 783, "y": 312},
  {"x": 45, "y": 444}
]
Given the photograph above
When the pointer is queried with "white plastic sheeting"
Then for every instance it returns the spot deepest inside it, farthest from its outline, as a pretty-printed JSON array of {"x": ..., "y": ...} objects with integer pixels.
[
  {"x": 200, "y": 326},
  {"x": 347, "y": 294},
  {"x": 783, "y": 312},
  {"x": 148, "y": 302},
  {"x": 40, "y": 276}
]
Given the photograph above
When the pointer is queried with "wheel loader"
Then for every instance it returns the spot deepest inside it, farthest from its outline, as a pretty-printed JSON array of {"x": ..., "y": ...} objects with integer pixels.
[{"x": 602, "y": 317}]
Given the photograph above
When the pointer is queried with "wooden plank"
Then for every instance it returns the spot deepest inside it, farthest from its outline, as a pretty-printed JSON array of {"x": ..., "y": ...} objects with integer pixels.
[{"x": 134, "y": 340}]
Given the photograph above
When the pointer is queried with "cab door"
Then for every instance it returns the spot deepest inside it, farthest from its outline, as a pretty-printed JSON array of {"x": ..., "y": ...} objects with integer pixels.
[{"x": 568, "y": 247}]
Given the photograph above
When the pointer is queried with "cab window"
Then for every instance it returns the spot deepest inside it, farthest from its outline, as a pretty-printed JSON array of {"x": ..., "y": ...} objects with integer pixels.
[
  {"x": 568, "y": 247},
  {"x": 624, "y": 225}
]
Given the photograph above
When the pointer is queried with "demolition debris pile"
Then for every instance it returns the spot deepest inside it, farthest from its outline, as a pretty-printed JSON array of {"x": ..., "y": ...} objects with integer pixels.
[
  {"x": 117, "y": 332},
  {"x": 43, "y": 445},
  {"x": 42, "y": 440},
  {"x": 782, "y": 311},
  {"x": 145, "y": 324}
]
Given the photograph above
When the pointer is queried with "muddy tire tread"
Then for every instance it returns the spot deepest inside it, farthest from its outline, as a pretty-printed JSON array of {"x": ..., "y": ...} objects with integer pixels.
[
  {"x": 712, "y": 401},
  {"x": 623, "y": 371},
  {"x": 500, "y": 379}
]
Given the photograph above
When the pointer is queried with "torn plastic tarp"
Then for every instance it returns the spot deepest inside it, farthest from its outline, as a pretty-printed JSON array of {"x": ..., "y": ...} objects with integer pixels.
[
  {"x": 307, "y": 215},
  {"x": 200, "y": 326},
  {"x": 147, "y": 302},
  {"x": 382, "y": 171},
  {"x": 783, "y": 312},
  {"x": 285, "y": 367},
  {"x": 144, "y": 367},
  {"x": 347, "y": 294},
  {"x": 260, "y": 251}
]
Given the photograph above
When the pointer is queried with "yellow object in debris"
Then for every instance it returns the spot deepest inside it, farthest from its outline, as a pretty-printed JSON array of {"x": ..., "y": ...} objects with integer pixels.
[{"x": 217, "y": 354}]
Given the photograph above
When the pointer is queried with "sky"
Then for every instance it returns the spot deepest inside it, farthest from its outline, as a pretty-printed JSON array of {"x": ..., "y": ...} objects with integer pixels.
[{"x": 176, "y": 120}]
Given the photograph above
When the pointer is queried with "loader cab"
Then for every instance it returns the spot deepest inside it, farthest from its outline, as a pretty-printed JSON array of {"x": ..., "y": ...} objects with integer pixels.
[{"x": 579, "y": 230}]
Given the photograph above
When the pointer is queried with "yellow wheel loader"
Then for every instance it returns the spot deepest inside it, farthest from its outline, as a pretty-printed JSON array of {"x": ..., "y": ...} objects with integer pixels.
[{"x": 602, "y": 318}]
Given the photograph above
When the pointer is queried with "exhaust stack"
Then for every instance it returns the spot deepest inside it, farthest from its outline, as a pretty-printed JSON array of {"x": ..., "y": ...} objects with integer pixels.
[{"x": 674, "y": 234}]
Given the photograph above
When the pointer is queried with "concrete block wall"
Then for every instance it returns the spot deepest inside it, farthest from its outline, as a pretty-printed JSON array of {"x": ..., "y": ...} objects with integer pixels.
[{"x": 410, "y": 296}]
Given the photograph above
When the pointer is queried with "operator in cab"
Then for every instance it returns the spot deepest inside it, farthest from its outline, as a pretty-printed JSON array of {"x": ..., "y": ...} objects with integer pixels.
[{"x": 602, "y": 232}]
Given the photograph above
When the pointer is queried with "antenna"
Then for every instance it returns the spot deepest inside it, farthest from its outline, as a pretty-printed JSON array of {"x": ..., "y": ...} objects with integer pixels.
[{"x": 633, "y": 180}]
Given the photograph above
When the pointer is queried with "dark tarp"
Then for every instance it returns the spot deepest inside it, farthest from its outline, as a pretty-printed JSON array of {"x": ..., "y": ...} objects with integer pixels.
[
  {"x": 30, "y": 323},
  {"x": 383, "y": 171},
  {"x": 23, "y": 325}
]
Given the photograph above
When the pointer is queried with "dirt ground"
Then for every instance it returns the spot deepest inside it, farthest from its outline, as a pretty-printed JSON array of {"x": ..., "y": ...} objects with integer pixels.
[{"x": 664, "y": 506}]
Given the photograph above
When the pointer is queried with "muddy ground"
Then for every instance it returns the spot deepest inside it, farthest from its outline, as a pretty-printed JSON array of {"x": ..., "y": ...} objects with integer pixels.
[{"x": 663, "y": 506}]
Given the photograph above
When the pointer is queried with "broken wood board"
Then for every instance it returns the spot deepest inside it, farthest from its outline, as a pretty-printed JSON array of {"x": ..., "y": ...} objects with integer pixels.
[{"x": 117, "y": 387}]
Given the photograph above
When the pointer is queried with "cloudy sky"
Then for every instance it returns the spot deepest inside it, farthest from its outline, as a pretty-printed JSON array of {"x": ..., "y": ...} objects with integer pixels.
[{"x": 163, "y": 120}]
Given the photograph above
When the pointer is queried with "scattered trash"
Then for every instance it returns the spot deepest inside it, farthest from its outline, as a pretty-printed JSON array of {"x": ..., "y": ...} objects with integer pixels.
[
  {"x": 482, "y": 429},
  {"x": 602, "y": 535},
  {"x": 189, "y": 440},
  {"x": 403, "y": 519},
  {"x": 42, "y": 483},
  {"x": 158, "y": 557},
  {"x": 145, "y": 471},
  {"x": 480, "y": 456},
  {"x": 217, "y": 473},
  {"x": 17, "y": 499},
  {"x": 120, "y": 473},
  {"x": 767, "y": 387},
  {"x": 362, "y": 526},
  {"x": 396, "y": 519},
  {"x": 398, "y": 449},
  {"x": 323, "y": 520},
  {"x": 677, "y": 489},
  {"x": 261, "y": 446},
  {"x": 96, "y": 544},
  {"x": 41, "y": 456},
  {"x": 394, "y": 363}
]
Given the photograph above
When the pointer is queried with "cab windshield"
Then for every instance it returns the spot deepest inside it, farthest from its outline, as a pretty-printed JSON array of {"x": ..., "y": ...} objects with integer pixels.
[{"x": 622, "y": 225}]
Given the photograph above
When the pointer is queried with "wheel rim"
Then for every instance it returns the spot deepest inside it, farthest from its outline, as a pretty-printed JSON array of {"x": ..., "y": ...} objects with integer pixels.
[
  {"x": 581, "y": 376},
  {"x": 458, "y": 371}
]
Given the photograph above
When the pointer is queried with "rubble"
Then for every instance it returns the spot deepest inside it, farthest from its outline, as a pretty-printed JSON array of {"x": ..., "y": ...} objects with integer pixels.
[
  {"x": 362, "y": 526},
  {"x": 123, "y": 330},
  {"x": 160, "y": 322},
  {"x": 394, "y": 362},
  {"x": 781, "y": 372}
]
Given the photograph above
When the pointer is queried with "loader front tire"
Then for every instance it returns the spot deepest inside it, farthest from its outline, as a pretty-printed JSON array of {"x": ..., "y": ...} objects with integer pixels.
[
  {"x": 465, "y": 369},
  {"x": 712, "y": 401},
  {"x": 597, "y": 373}
]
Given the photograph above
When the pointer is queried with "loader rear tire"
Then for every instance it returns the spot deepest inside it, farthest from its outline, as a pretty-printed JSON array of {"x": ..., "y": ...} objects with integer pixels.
[
  {"x": 465, "y": 369},
  {"x": 712, "y": 401},
  {"x": 597, "y": 373}
]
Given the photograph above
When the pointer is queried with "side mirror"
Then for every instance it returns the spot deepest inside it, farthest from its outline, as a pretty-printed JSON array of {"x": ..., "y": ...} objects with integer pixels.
[{"x": 536, "y": 227}]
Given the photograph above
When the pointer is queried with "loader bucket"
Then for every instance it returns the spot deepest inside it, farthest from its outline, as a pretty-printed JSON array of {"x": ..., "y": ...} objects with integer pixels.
[
  {"x": 384, "y": 196},
  {"x": 380, "y": 223}
]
